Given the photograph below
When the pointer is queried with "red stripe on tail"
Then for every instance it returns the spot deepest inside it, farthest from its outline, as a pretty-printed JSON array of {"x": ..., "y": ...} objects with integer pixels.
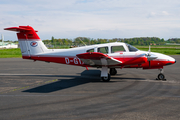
[{"x": 25, "y": 32}]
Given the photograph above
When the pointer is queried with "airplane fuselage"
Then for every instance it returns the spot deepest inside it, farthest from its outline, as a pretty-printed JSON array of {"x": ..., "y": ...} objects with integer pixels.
[{"x": 129, "y": 59}]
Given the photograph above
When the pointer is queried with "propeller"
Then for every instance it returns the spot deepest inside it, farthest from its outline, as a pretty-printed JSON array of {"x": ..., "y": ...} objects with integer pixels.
[
  {"x": 150, "y": 56},
  {"x": 149, "y": 49}
]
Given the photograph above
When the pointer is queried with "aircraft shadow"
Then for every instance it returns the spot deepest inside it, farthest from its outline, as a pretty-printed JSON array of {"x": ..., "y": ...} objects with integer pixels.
[
  {"x": 87, "y": 76},
  {"x": 67, "y": 83}
]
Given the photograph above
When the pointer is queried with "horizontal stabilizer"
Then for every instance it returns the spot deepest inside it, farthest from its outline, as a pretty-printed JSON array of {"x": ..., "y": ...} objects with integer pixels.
[
  {"x": 97, "y": 59},
  {"x": 25, "y": 32},
  {"x": 20, "y": 28}
]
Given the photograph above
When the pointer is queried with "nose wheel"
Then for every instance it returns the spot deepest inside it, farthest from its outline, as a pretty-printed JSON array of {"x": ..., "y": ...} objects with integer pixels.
[{"x": 161, "y": 76}]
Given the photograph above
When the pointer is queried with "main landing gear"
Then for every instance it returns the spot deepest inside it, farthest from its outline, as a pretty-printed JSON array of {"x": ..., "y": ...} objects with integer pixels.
[
  {"x": 105, "y": 76},
  {"x": 161, "y": 76},
  {"x": 106, "y": 79},
  {"x": 113, "y": 71}
]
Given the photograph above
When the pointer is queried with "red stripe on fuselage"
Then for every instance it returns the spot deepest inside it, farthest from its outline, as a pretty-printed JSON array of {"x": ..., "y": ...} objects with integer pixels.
[
  {"x": 131, "y": 60},
  {"x": 140, "y": 62},
  {"x": 63, "y": 60}
]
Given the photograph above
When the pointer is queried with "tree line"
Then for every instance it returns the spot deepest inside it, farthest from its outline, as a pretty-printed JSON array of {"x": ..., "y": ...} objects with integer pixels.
[
  {"x": 90, "y": 41},
  {"x": 174, "y": 40}
]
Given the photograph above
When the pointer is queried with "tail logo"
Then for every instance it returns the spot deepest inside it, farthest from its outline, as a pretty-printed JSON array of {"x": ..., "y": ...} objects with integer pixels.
[{"x": 34, "y": 44}]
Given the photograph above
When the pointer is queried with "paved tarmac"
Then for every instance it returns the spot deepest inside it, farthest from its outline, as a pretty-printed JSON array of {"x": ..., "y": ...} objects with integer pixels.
[{"x": 38, "y": 90}]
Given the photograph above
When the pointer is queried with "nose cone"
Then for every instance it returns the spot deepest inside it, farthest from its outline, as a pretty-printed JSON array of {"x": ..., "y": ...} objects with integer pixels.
[
  {"x": 170, "y": 61},
  {"x": 165, "y": 59}
]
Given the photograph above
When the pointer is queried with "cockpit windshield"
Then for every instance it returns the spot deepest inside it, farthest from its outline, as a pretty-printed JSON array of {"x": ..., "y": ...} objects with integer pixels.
[{"x": 131, "y": 48}]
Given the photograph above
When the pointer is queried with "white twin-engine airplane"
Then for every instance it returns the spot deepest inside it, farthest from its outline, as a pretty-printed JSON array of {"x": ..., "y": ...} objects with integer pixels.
[{"x": 104, "y": 56}]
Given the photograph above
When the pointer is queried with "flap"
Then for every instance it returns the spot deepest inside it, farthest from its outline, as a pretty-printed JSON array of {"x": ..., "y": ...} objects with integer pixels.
[{"x": 97, "y": 59}]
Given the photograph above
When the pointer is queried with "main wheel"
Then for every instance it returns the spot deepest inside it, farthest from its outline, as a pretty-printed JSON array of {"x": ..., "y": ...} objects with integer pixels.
[
  {"x": 113, "y": 71},
  {"x": 161, "y": 76},
  {"x": 106, "y": 79}
]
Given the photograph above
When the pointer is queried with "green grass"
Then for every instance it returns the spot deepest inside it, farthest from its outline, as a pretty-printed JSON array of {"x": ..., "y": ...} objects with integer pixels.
[
  {"x": 158, "y": 46},
  {"x": 168, "y": 50},
  {"x": 10, "y": 53}
]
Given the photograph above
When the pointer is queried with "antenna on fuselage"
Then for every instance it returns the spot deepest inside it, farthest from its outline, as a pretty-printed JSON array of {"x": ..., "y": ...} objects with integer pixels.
[{"x": 82, "y": 41}]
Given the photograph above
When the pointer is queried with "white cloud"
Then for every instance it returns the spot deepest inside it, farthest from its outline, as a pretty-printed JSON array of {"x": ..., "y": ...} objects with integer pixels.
[
  {"x": 151, "y": 14},
  {"x": 94, "y": 18},
  {"x": 165, "y": 13}
]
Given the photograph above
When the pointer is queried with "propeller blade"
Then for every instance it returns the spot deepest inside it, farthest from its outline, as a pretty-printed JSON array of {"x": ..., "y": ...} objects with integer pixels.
[
  {"x": 149, "y": 51},
  {"x": 150, "y": 56}
]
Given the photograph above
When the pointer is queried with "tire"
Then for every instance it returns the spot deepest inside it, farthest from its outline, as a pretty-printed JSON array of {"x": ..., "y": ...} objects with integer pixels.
[
  {"x": 106, "y": 79},
  {"x": 161, "y": 76},
  {"x": 113, "y": 71}
]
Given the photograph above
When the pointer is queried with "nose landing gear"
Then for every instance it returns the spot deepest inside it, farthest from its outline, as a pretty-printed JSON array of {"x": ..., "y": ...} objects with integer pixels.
[{"x": 161, "y": 76}]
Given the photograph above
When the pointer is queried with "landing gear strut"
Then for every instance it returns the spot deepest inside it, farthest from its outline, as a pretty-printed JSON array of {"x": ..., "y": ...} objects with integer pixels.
[
  {"x": 104, "y": 74},
  {"x": 161, "y": 76},
  {"x": 113, "y": 71}
]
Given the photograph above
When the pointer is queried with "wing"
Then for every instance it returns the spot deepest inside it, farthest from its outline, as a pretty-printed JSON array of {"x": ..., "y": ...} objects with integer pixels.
[{"x": 97, "y": 59}]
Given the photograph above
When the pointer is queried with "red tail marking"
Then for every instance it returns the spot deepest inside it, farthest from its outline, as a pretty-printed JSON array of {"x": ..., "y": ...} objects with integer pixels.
[{"x": 25, "y": 32}]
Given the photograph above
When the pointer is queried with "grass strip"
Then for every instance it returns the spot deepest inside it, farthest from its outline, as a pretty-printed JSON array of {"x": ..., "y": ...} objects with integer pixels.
[
  {"x": 168, "y": 50},
  {"x": 10, "y": 53}
]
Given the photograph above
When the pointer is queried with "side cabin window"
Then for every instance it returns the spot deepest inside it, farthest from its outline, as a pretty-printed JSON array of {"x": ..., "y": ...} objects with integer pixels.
[
  {"x": 115, "y": 49},
  {"x": 103, "y": 50},
  {"x": 90, "y": 50}
]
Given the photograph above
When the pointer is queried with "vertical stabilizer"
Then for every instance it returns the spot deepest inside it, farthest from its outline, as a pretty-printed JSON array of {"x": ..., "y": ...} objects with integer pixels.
[{"x": 29, "y": 41}]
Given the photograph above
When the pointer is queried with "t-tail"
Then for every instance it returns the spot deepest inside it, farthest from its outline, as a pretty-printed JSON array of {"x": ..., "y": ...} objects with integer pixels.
[{"x": 29, "y": 41}]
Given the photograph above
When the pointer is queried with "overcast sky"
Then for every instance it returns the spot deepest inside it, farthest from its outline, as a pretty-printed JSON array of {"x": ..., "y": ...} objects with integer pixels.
[{"x": 92, "y": 18}]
